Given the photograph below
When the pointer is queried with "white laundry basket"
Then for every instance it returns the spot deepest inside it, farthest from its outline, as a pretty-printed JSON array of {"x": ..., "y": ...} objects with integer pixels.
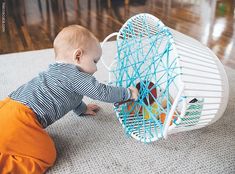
[{"x": 182, "y": 84}]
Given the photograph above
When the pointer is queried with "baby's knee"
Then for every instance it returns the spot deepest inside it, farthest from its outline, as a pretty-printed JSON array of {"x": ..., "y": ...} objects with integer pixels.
[
  {"x": 47, "y": 152},
  {"x": 52, "y": 155}
]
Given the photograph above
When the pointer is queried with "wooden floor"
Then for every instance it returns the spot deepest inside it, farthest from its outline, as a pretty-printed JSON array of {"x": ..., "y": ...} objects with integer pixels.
[{"x": 33, "y": 24}]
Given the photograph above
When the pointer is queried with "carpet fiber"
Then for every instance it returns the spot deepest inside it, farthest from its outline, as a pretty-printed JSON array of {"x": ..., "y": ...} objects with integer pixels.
[{"x": 99, "y": 145}]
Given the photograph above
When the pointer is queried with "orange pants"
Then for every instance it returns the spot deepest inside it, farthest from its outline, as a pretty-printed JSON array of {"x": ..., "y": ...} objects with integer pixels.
[{"x": 25, "y": 147}]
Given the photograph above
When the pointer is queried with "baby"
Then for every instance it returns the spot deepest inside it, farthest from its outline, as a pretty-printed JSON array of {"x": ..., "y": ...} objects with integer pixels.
[{"x": 25, "y": 147}]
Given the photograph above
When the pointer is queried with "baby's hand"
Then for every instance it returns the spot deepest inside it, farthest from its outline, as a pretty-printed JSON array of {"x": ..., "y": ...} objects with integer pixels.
[
  {"x": 92, "y": 109},
  {"x": 134, "y": 93}
]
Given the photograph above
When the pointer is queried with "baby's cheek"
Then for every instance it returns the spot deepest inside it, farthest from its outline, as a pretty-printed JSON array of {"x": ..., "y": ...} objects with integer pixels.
[{"x": 94, "y": 67}]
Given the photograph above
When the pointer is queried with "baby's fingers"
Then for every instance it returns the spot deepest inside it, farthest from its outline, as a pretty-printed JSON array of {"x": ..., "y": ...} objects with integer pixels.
[
  {"x": 94, "y": 107},
  {"x": 90, "y": 112}
]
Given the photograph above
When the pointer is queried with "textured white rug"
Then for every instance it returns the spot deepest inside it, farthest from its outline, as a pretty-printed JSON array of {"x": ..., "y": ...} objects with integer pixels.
[{"x": 99, "y": 145}]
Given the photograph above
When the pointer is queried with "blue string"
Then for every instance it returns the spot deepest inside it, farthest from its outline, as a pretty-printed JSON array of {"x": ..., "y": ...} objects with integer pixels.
[{"x": 140, "y": 60}]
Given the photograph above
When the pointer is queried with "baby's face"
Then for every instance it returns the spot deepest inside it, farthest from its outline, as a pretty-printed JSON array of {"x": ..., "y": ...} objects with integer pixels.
[{"x": 90, "y": 58}]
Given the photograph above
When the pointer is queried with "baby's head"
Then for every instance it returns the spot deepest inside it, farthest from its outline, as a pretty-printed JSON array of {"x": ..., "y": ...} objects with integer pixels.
[{"x": 77, "y": 45}]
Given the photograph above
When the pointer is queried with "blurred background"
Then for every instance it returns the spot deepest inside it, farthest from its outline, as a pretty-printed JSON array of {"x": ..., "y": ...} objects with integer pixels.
[{"x": 33, "y": 24}]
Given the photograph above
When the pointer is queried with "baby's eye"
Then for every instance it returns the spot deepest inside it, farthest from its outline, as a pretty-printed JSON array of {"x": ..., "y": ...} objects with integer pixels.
[{"x": 95, "y": 61}]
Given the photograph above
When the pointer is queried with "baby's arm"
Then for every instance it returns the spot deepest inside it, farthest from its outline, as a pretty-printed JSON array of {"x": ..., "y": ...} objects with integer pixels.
[
  {"x": 87, "y": 85},
  {"x": 81, "y": 108}
]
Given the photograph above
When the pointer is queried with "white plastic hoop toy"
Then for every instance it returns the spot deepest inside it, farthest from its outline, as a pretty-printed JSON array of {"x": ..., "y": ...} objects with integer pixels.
[{"x": 182, "y": 84}]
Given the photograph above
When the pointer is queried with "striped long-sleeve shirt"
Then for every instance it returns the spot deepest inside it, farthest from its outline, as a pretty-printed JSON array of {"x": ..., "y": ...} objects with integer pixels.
[{"x": 60, "y": 89}]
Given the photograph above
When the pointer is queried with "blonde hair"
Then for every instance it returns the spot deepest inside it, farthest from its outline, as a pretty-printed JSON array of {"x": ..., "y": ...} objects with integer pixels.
[{"x": 73, "y": 37}]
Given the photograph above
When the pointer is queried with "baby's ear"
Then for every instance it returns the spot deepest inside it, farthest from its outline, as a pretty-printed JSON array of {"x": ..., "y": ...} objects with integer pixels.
[{"x": 77, "y": 55}]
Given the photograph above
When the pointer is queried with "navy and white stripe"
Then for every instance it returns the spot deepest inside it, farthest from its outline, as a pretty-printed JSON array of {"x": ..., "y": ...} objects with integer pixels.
[{"x": 60, "y": 89}]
